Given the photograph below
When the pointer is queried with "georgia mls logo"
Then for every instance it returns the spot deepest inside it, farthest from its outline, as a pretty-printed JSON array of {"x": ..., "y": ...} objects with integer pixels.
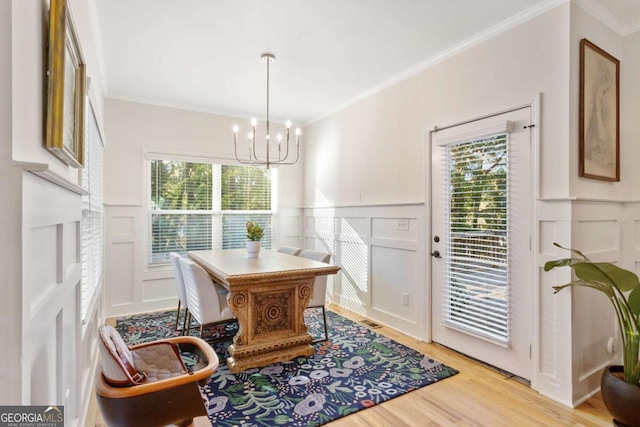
[{"x": 31, "y": 416}]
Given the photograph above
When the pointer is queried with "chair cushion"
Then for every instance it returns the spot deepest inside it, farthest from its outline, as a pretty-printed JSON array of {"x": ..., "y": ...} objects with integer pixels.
[
  {"x": 118, "y": 365},
  {"x": 158, "y": 361}
]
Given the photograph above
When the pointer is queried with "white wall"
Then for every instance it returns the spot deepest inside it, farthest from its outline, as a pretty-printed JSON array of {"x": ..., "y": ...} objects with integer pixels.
[
  {"x": 368, "y": 166},
  {"x": 375, "y": 152},
  {"x": 372, "y": 151},
  {"x": 583, "y": 25},
  {"x": 10, "y": 250},
  {"x": 134, "y": 129},
  {"x": 48, "y": 355},
  {"x": 379, "y": 262},
  {"x": 629, "y": 112}
]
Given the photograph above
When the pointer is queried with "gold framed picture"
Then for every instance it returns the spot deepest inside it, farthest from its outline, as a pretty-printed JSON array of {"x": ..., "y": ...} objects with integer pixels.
[
  {"x": 66, "y": 80},
  {"x": 599, "y": 113}
]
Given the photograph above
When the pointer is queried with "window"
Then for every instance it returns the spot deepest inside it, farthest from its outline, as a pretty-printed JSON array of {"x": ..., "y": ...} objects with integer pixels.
[
  {"x": 477, "y": 250},
  {"x": 92, "y": 215},
  {"x": 196, "y": 206}
]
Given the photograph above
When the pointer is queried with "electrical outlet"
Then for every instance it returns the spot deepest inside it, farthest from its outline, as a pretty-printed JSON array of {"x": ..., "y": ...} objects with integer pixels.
[
  {"x": 405, "y": 298},
  {"x": 403, "y": 224}
]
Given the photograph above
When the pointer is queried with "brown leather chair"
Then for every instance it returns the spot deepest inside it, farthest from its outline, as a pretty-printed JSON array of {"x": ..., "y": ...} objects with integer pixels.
[{"x": 148, "y": 385}]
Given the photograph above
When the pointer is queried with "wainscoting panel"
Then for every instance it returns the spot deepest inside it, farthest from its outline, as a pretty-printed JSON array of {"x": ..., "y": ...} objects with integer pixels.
[
  {"x": 576, "y": 322},
  {"x": 159, "y": 289},
  {"x": 57, "y": 353},
  {"x": 131, "y": 286},
  {"x": 598, "y": 233},
  {"x": 394, "y": 271},
  {"x": 121, "y": 289},
  {"x": 125, "y": 260},
  {"x": 381, "y": 258},
  {"x": 289, "y": 227}
]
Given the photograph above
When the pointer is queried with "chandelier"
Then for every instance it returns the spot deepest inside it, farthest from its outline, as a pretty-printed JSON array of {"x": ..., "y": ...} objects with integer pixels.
[{"x": 269, "y": 159}]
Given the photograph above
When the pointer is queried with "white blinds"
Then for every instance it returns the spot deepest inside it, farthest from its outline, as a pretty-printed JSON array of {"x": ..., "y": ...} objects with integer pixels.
[
  {"x": 477, "y": 297},
  {"x": 199, "y": 206},
  {"x": 92, "y": 214}
]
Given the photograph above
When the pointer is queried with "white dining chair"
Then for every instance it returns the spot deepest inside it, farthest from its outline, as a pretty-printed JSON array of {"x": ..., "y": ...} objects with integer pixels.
[
  {"x": 206, "y": 302},
  {"x": 319, "y": 287},
  {"x": 290, "y": 250},
  {"x": 182, "y": 296}
]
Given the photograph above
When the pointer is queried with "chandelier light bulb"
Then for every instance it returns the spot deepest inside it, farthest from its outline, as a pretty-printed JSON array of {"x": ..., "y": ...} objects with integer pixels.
[
  {"x": 298, "y": 132},
  {"x": 254, "y": 122},
  {"x": 288, "y": 124},
  {"x": 235, "y": 128}
]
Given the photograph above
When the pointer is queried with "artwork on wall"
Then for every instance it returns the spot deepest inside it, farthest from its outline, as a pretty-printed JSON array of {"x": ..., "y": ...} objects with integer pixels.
[
  {"x": 65, "y": 87},
  {"x": 599, "y": 113}
]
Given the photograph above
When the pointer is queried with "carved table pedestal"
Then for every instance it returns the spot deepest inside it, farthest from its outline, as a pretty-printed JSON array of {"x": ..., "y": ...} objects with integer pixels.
[{"x": 268, "y": 295}]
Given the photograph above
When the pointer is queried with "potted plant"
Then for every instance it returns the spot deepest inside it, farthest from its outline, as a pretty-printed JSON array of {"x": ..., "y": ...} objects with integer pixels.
[
  {"x": 620, "y": 384},
  {"x": 254, "y": 234}
]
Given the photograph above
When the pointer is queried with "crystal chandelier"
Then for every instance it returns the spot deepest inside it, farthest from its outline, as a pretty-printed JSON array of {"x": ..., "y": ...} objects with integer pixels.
[{"x": 268, "y": 160}]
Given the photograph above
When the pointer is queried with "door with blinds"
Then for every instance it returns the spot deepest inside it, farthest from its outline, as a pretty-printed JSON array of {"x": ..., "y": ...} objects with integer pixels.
[{"x": 481, "y": 222}]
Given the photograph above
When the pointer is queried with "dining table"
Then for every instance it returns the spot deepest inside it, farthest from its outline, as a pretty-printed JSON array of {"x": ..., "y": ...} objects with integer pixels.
[{"x": 268, "y": 295}]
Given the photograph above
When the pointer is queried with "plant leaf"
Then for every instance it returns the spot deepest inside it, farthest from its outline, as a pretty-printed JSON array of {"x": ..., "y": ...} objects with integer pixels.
[
  {"x": 564, "y": 262},
  {"x": 634, "y": 301},
  {"x": 607, "y": 273},
  {"x": 606, "y": 289},
  {"x": 575, "y": 251}
]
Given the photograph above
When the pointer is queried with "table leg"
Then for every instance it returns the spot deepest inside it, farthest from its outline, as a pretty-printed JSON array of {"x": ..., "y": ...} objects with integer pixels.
[{"x": 271, "y": 324}]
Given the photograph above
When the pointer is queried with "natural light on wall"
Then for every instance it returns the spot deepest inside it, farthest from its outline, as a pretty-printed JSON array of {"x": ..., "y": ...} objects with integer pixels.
[
  {"x": 354, "y": 261},
  {"x": 337, "y": 236}
]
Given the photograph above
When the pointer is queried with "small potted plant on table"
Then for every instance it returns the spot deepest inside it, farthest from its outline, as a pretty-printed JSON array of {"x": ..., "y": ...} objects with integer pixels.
[
  {"x": 620, "y": 384},
  {"x": 254, "y": 235}
]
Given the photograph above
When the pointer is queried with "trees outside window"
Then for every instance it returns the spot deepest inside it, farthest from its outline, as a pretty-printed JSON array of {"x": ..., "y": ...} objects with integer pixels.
[{"x": 195, "y": 206}]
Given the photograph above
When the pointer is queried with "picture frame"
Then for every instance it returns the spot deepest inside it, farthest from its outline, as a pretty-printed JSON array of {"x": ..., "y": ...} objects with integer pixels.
[
  {"x": 599, "y": 113},
  {"x": 66, "y": 87}
]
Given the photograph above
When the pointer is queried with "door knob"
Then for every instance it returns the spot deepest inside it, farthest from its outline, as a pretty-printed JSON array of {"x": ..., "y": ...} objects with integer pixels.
[{"x": 436, "y": 254}]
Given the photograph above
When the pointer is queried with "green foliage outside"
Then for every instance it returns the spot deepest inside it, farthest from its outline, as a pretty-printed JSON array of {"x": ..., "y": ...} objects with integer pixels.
[
  {"x": 478, "y": 197},
  {"x": 185, "y": 186},
  {"x": 479, "y": 185},
  {"x": 478, "y": 230},
  {"x": 246, "y": 188}
]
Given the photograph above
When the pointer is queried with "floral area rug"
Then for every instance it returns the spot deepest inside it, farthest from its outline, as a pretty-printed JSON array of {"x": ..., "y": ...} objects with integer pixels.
[{"x": 355, "y": 369}]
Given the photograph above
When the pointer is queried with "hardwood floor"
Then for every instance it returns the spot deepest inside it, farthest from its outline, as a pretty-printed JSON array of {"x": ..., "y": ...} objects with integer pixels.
[{"x": 477, "y": 396}]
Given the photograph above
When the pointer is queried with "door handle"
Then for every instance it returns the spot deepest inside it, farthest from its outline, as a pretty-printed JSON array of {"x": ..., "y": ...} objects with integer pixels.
[{"x": 436, "y": 254}]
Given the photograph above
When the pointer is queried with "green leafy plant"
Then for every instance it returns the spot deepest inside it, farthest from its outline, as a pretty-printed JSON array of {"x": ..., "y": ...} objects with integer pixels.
[
  {"x": 623, "y": 290},
  {"x": 254, "y": 231}
]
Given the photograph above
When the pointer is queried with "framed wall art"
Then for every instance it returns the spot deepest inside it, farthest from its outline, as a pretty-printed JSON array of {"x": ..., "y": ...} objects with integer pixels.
[
  {"x": 599, "y": 113},
  {"x": 66, "y": 78}
]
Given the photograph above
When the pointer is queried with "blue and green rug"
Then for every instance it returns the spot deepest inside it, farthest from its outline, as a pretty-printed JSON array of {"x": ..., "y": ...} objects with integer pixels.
[{"x": 356, "y": 369}]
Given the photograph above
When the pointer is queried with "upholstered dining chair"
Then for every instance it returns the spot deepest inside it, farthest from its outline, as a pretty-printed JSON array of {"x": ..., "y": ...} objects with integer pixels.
[
  {"x": 290, "y": 250},
  {"x": 319, "y": 287},
  {"x": 206, "y": 301},
  {"x": 148, "y": 385},
  {"x": 182, "y": 296}
]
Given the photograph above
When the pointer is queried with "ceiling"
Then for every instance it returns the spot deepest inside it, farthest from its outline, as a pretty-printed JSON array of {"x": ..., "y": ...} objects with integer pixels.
[{"x": 204, "y": 55}]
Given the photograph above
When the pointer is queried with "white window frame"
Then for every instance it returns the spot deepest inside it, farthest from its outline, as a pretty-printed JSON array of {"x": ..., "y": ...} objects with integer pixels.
[
  {"x": 216, "y": 212},
  {"x": 93, "y": 238}
]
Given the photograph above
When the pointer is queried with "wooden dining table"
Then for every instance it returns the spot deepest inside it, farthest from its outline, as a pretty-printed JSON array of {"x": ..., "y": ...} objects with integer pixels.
[{"x": 268, "y": 295}]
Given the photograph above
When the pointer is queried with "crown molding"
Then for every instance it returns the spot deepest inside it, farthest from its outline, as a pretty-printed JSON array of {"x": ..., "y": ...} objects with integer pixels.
[
  {"x": 601, "y": 14},
  {"x": 487, "y": 34}
]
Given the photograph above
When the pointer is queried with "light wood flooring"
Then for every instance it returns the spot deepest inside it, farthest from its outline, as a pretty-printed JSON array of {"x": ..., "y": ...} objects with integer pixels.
[{"x": 477, "y": 396}]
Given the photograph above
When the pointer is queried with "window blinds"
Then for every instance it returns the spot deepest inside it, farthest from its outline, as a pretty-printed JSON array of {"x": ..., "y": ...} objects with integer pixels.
[
  {"x": 477, "y": 296},
  {"x": 199, "y": 206},
  {"x": 92, "y": 215}
]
